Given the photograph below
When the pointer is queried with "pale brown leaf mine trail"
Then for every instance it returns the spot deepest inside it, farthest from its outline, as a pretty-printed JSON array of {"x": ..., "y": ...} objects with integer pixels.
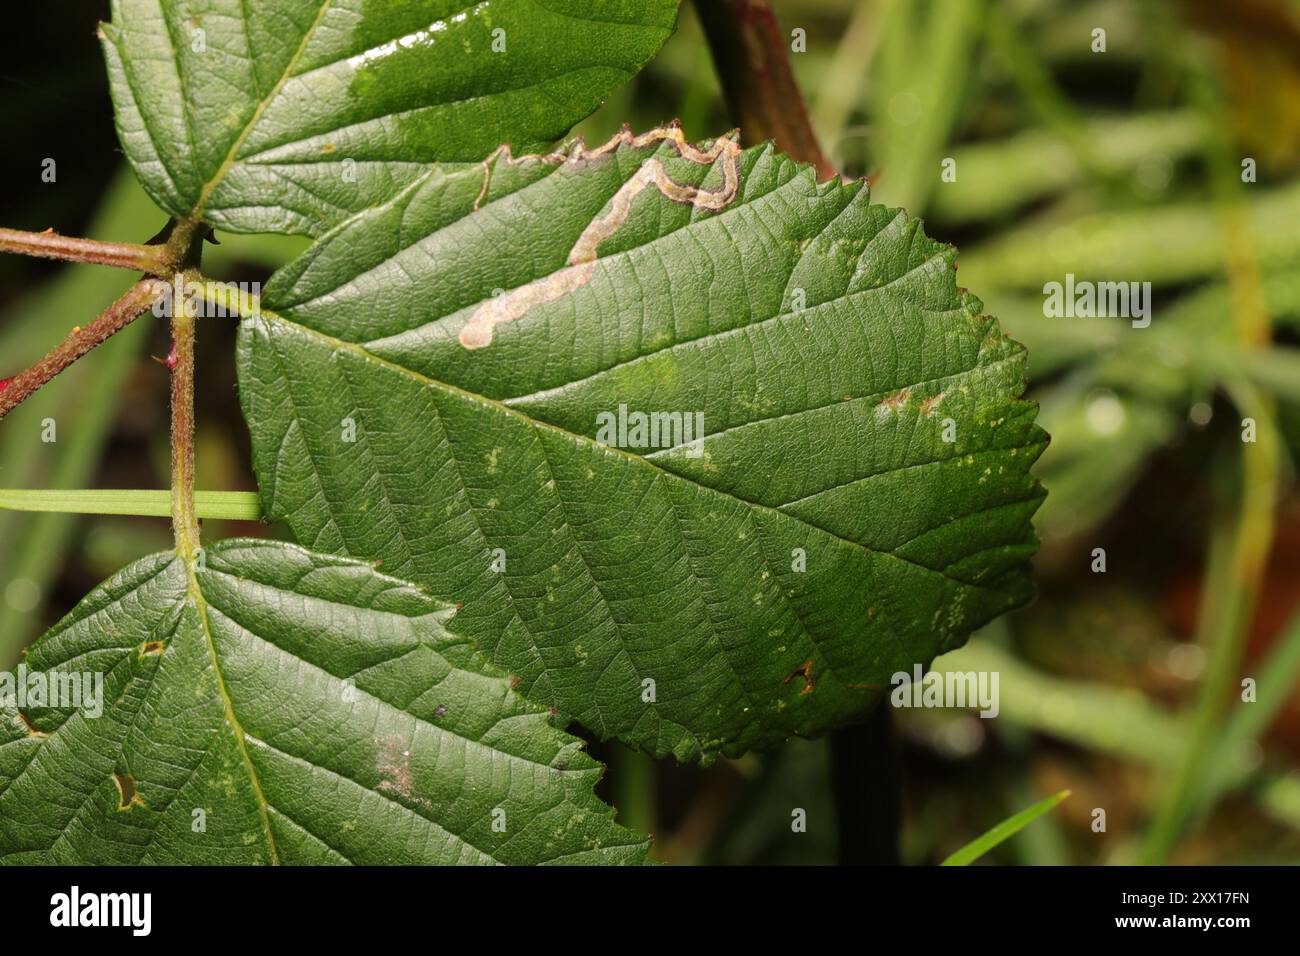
[{"x": 512, "y": 305}]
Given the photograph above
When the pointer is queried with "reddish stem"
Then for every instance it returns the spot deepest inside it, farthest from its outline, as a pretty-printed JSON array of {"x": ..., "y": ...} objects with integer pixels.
[
  {"x": 50, "y": 245},
  {"x": 79, "y": 341},
  {"x": 185, "y": 521},
  {"x": 752, "y": 58}
]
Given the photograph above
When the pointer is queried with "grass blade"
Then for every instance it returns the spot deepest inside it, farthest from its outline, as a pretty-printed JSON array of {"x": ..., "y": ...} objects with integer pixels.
[
  {"x": 1003, "y": 831},
  {"x": 227, "y": 505}
]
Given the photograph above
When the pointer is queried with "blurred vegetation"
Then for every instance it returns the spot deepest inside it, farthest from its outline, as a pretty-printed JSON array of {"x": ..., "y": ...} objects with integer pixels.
[{"x": 1122, "y": 686}]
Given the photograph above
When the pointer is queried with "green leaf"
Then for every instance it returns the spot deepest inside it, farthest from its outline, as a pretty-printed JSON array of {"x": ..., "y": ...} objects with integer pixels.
[
  {"x": 401, "y": 410},
  {"x": 281, "y": 706},
  {"x": 1003, "y": 831},
  {"x": 286, "y": 116}
]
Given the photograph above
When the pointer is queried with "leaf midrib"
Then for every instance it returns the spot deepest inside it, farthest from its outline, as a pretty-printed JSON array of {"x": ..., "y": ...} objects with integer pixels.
[
  {"x": 195, "y": 593},
  {"x": 342, "y": 345},
  {"x": 471, "y": 742},
  {"x": 232, "y": 155},
  {"x": 210, "y": 186}
]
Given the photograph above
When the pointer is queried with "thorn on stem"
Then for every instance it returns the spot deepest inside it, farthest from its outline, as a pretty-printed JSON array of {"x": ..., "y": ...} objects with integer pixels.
[{"x": 169, "y": 362}]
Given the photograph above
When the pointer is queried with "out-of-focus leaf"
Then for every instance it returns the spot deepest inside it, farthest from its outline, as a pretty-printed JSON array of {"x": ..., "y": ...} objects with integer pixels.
[
  {"x": 1162, "y": 245},
  {"x": 1100, "y": 441},
  {"x": 995, "y": 178},
  {"x": 914, "y": 110}
]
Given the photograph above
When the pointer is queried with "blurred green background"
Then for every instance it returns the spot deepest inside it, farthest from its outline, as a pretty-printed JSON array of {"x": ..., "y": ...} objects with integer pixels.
[{"x": 1122, "y": 165}]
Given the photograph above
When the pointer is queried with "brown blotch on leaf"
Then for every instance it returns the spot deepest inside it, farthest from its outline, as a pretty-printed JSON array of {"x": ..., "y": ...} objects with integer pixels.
[
  {"x": 127, "y": 796},
  {"x": 584, "y": 256},
  {"x": 930, "y": 404},
  {"x": 804, "y": 670},
  {"x": 897, "y": 400},
  {"x": 31, "y": 728},
  {"x": 149, "y": 648},
  {"x": 393, "y": 763}
]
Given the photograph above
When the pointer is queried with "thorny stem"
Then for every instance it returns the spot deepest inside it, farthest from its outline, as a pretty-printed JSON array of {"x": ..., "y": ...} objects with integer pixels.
[
  {"x": 135, "y": 301},
  {"x": 185, "y": 245},
  {"x": 752, "y": 59},
  {"x": 172, "y": 249}
]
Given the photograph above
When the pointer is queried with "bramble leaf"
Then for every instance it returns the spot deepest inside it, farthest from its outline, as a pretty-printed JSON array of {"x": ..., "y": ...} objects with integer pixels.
[
  {"x": 287, "y": 116},
  {"x": 433, "y": 384},
  {"x": 282, "y": 706}
]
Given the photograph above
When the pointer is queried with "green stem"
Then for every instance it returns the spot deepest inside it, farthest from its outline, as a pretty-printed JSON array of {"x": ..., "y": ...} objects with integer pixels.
[
  {"x": 1277, "y": 675},
  {"x": 1235, "y": 592}
]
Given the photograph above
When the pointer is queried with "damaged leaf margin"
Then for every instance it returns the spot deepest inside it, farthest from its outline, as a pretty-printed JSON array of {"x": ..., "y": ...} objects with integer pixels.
[
  {"x": 827, "y": 518},
  {"x": 303, "y": 709}
]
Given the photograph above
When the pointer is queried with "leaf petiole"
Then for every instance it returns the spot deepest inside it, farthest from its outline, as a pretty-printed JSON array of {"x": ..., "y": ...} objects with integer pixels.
[
  {"x": 133, "y": 303},
  {"x": 50, "y": 245}
]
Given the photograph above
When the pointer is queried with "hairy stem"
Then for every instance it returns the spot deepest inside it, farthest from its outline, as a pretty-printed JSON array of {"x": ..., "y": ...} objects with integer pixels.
[
  {"x": 176, "y": 247},
  {"x": 50, "y": 245},
  {"x": 134, "y": 302},
  {"x": 185, "y": 521},
  {"x": 752, "y": 58},
  {"x": 175, "y": 251}
]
